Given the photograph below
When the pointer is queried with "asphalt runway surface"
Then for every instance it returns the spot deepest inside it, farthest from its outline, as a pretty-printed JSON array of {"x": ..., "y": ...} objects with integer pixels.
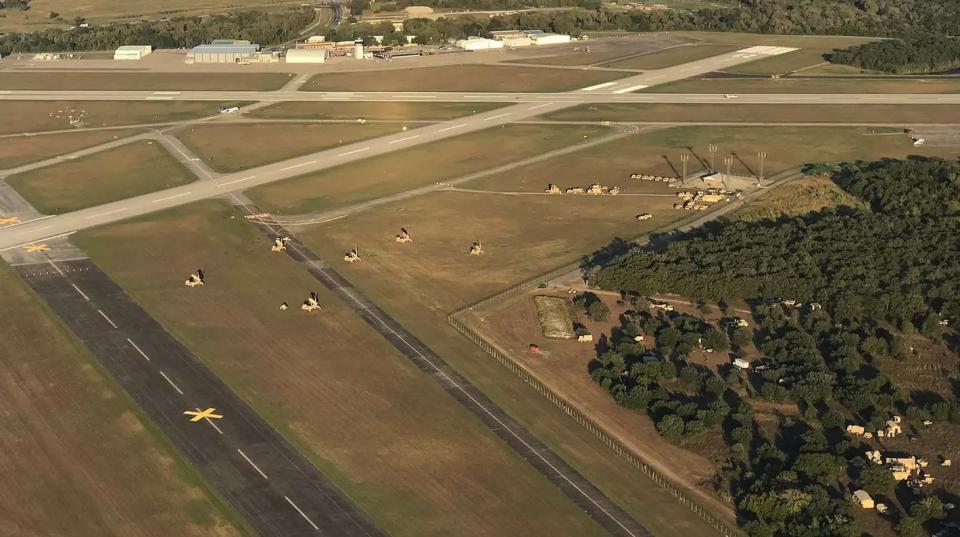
[
  {"x": 576, "y": 487},
  {"x": 277, "y": 491}
]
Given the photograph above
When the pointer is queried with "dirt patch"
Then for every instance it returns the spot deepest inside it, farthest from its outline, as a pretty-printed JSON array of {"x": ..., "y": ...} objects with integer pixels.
[{"x": 554, "y": 315}]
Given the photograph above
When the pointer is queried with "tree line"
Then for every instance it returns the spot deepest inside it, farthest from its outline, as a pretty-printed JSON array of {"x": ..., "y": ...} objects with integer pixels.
[
  {"x": 263, "y": 27},
  {"x": 835, "y": 294},
  {"x": 925, "y": 54}
]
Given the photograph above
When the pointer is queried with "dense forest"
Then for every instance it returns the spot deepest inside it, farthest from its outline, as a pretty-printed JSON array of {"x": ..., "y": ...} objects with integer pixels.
[
  {"x": 926, "y": 54},
  {"x": 260, "y": 27},
  {"x": 898, "y": 18},
  {"x": 834, "y": 294},
  {"x": 875, "y": 17}
]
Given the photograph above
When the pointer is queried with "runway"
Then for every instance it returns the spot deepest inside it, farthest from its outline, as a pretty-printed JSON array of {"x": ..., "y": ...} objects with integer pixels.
[{"x": 277, "y": 491}]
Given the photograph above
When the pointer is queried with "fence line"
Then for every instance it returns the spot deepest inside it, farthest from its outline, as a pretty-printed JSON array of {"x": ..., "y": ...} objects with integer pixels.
[{"x": 597, "y": 430}]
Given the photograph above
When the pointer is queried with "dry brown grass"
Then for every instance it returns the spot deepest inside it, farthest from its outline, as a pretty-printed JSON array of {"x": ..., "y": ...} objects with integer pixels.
[
  {"x": 234, "y": 147},
  {"x": 381, "y": 429},
  {"x": 523, "y": 236},
  {"x": 77, "y": 458},
  {"x": 36, "y": 116},
  {"x": 423, "y": 165},
  {"x": 20, "y": 150},
  {"x": 116, "y": 174},
  {"x": 133, "y": 81},
  {"x": 462, "y": 78},
  {"x": 399, "y": 110},
  {"x": 762, "y": 113},
  {"x": 798, "y": 197}
]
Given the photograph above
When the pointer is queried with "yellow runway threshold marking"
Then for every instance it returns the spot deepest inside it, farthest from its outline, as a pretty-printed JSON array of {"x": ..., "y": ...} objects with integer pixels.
[
  {"x": 202, "y": 414},
  {"x": 32, "y": 248},
  {"x": 4, "y": 220}
]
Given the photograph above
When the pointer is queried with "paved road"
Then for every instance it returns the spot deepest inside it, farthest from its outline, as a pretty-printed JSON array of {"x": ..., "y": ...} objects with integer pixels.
[
  {"x": 576, "y": 487},
  {"x": 276, "y": 489}
]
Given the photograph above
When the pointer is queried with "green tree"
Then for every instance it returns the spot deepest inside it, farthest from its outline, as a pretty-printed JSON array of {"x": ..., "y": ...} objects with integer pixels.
[
  {"x": 671, "y": 426},
  {"x": 877, "y": 481}
]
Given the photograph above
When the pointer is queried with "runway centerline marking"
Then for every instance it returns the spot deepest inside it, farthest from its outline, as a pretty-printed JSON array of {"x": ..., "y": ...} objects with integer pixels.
[
  {"x": 85, "y": 297},
  {"x": 214, "y": 425},
  {"x": 598, "y": 86},
  {"x": 175, "y": 196},
  {"x": 497, "y": 117},
  {"x": 539, "y": 106},
  {"x": 453, "y": 127},
  {"x": 255, "y": 467},
  {"x": 297, "y": 165},
  {"x": 404, "y": 139},
  {"x": 236, "y": 181},
  {"x": 104, "y": 315},
  {"x": 98, "y": 215},
  {"x": 304, "y": 515},
  {"x": 56, "y": 268},
  {"x": 353, "y": 152},
  {"x": 175, "y": 387},
  {"x": 413, "y": 96},
  {"x": 134, "y": 345},
  {"x": 629, "y": 89}
]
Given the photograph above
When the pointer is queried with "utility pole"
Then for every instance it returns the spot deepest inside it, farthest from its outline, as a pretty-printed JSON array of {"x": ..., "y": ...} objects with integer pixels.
[
  {"x": 683, "y": 159},
  {"x": 713, "y": 153},
  {"x": 728, "y": 160},
  {"x": 761, "y": 155}
]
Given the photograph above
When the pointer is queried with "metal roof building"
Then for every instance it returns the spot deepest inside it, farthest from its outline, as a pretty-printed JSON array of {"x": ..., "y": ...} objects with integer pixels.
[
  {"x": 223, "y": 53},
  {"x": 132, "y": 52}
]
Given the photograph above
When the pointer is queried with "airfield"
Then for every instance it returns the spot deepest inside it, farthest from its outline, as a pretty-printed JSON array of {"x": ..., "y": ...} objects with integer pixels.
[{"x": 373, "y": 415}]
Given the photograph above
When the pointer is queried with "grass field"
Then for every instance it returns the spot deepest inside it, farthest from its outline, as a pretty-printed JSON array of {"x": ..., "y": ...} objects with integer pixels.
[
  {"x": 399, "y": 111},
  {"x": 523, "y": 235},
  {"x": 798, "y": 197},
  {"x": 97, "y": 11},
  {"x": 234, "y": 147},
  {"x": 115, "y": 174},
  {"x": 658, "y": 152},
  {"x": 462, "y": 78},
  {"x": 673, "y": 56},
  {"x": 18, "y": 150},
  {"x": 808, "y": 85},
  {"x": 419, "y": 166},
  {"x": 383, "y": 431},
  {"x": 38, "y": 116},
  {"x": 136, "y": 81},
  {"x": 762, "y": 113},
  {"x": 78, "y": 458}
]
